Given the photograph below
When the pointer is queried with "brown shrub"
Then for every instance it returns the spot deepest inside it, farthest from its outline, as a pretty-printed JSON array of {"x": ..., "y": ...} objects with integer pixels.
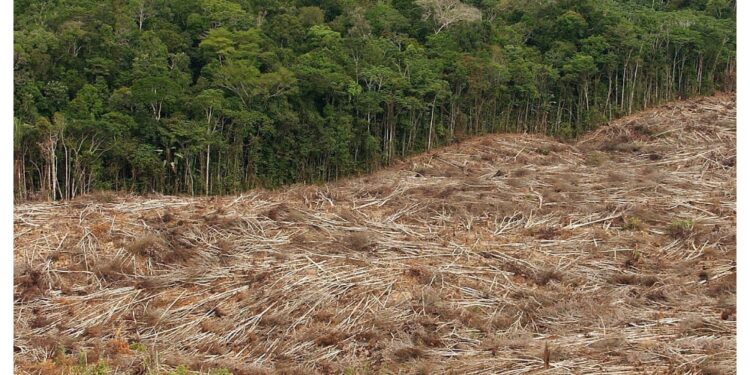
[
  {"x": 167, "y": 216},
  {"x": 614, "y": 177},
  {"x": 516, "y": 340},
  {"x": 628, "y": 147},
  {"x": 596, "y": 159},
  {"x": 657, "y": 295},
  {"x": 502, "y": 321},
  {"x": 562, "y": 186},
  {"x": 546, "y": 233},
  {"x": 521, "y": 172},
  {"x": 257, "y": 277},
  {"x": 729, "y": 314},
  {"x": 487, "y": 142},
  {"x": 237, "y": 368},
  {"x": 114, "y": 269},
  {"x": 215, "y": 325},
  {"x": 272, "y": 320},
  {"x": 52, "y": 341},
  {"x": 118, "y": 346},
  {"x": 290, "y": 369},
  {"x": 613, "y": 141},
  {"x": 92, "y": 355},
  {"x": 447, "y": 192},
  {"x": 147, "y": 246},
  {"x": 487, "y": 157},
  {"x": 359, "y": 241},
  {"x": 152, "y": 316},
  {"x": 368, "y": 336},
  {"x": 29, "y": 282},
  {"x": 408, "y": 353},
  {"x": 329, "y": 338},
  {"x": 175, "y": 360},
  {"x": 420, "y": 274},
  {"x": 150, "y": 282},
  {"x": 645, "y": 214},
  {"x": 725, "y": 285},
  {"x": 654, "y": 156},
  {"x": 710, "y": 369},
  {"x": 545, "y": 276},
  {"x": 422, "y": 171},
  {"x": 499, "y": 173},
  {"x": 284, "y": 213},
  {"x": 646, "y": 130},
  {"x": 99, "y": 229},
  {"x": 515, "y": 182},
  {"x": 39, "y": 321},
  {"x": 324, "y": 315},
  {"x": 693, "y": 325},
  {"x": 219, "y": 311},
  {"x": 380, "y": 190},
  {"x": 430, "y": 339},
  {"x": 472, "y": 319},
  {"x": 427, "y": 368},
  {"x": 179, "y": 255},
  {"x": 450, "y": 172},
  {"x": 94, "y": 331},
  {"x": 633, "y": 279},
  {"x": 609, "y": 343},
  {"x": 224, "y": 222},
  {"x": 225, "y": 246},
  {"x": 211, "y": 348}
]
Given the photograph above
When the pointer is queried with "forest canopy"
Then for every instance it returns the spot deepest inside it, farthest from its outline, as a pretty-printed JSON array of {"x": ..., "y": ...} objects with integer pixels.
[{"x": 219, "y": 96}]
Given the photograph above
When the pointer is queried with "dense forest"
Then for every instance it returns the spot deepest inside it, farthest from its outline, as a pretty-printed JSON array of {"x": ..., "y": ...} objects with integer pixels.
[{"x": 218, "y": 96}]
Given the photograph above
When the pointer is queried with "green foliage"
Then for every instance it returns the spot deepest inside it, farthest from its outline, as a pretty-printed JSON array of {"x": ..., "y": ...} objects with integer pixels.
[
  {"x": 95, "y": 369},
  {"x": 633, "y": 223},
  {"x": 138, "y": 347},
  {"x": 181, "y": 370},
  {"x": 679, "y": 228},
  {"x": 218, "y": 96},
  {"x": 596, "y": 158}
]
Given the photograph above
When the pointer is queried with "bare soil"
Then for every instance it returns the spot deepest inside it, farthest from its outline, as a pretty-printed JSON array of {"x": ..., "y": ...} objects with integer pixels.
[{"x": 508, "y": 254}]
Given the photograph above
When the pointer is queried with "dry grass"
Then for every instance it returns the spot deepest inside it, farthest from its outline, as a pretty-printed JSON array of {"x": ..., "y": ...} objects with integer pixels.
[{"x": 505, "y": 254}]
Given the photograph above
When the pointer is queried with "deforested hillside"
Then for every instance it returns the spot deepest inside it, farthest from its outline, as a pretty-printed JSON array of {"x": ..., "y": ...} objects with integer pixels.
[{"x": 502, "y": 254}]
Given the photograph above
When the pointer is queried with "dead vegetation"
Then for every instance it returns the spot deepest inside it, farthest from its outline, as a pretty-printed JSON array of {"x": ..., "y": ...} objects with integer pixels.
[{"x": 506, "y": 254}]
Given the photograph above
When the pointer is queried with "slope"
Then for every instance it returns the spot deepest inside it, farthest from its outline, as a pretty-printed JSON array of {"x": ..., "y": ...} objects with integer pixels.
[{"x": 502, "y": 254}]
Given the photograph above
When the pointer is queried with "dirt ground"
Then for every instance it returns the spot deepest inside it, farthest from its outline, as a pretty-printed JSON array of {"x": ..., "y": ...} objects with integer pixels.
[{"x": 507, "y": 254}]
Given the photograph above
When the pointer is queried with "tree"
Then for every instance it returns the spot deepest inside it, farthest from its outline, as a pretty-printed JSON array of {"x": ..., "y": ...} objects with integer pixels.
[
  {"x": 211, "y": 103},
  {"x": 448, "y": 12},
  {"x": 155, "y": 92},
  {"x": 141, "y": 11},
  {"x": 218, "y": 96}
]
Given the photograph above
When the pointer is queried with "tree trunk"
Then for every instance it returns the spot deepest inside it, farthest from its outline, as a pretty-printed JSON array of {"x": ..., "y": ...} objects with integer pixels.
[{"x": 432, "y": 118}]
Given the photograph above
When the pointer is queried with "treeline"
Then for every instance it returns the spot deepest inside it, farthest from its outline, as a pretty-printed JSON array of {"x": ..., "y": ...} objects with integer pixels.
[{"x": 218, "y": 96}]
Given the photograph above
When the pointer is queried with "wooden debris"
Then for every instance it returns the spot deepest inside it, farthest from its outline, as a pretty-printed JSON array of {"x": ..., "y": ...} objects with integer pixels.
[{"x": 470, "y": 267}]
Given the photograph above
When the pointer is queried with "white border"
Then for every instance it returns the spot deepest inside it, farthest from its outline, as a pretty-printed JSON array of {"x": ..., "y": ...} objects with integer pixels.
[
  {"x": 743, "y": 209},
  {"x": 6, "y": 187}
]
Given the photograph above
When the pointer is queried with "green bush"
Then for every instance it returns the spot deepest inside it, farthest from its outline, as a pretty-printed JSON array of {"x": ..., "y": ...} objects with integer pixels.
[
  {"x": 181, "y": 370},
  {"x": 680, "y": 228},
  {"x": 633, "y": 223},
  {"x": 596, "y": 158}
]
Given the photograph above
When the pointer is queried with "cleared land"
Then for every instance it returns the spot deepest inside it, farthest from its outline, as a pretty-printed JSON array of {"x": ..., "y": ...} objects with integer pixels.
[{"x": 503, "y": 254}]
